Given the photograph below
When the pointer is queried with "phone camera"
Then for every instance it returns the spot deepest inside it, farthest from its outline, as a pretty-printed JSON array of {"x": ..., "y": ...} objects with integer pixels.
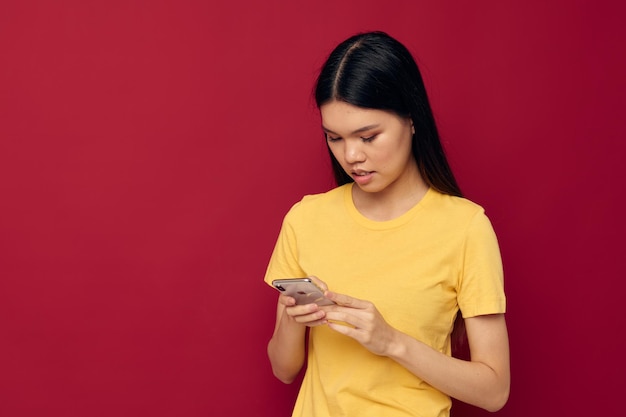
[{"x": 280, "y": 288}]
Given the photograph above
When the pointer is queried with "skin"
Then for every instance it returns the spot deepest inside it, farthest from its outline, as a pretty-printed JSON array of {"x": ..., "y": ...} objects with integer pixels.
[{"x": 374, "y": 147}]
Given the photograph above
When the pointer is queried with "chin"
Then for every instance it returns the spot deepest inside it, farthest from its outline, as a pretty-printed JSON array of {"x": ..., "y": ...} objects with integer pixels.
[{"x": 370, "y": 188}]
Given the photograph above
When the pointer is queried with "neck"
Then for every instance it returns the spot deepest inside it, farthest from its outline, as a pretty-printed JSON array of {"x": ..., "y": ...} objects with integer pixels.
[{"x": 393, "y": 201}]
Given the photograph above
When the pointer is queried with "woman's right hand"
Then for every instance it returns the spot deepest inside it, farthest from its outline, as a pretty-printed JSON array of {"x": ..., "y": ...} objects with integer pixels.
[
  {"x": 286, "y": 348},
  {"x": 306, "y": 314}
]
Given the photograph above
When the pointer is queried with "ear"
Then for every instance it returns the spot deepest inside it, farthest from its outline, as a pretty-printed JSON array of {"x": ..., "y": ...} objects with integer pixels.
[{"x": 412, "y": 127}]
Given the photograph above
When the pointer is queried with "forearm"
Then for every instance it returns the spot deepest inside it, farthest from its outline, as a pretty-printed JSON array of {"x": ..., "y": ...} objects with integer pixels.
[
  {"x": 484, "y": 381},
  {"x": 286, "y": 348},
  {"x": 471, "y": 382}
]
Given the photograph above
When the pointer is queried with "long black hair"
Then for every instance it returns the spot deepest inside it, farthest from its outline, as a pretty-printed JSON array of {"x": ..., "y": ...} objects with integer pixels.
[{"x": 373, "y": 70}]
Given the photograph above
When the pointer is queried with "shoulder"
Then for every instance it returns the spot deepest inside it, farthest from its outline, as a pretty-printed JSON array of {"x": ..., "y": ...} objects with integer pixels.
[
  {"x": 460, "y": 216},
  {"x": 316, "y": 204},
  {"x": 452, "y": 207}
]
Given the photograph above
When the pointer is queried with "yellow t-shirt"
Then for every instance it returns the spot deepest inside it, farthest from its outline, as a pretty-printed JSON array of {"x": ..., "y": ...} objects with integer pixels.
[{"x": 417, "y": 269}]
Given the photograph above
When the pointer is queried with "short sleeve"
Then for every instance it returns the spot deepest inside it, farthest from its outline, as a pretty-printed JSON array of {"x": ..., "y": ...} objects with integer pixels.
[
  {"x": 284, "y": 260},
  {"x": 481, "y": 286}
]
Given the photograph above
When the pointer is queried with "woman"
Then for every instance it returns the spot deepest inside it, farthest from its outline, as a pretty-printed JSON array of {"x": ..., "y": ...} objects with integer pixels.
[{"x": 397, "y": 249}]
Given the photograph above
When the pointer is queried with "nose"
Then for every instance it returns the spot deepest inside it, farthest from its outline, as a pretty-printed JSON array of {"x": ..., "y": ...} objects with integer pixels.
[{"x": 353, "y": 152}]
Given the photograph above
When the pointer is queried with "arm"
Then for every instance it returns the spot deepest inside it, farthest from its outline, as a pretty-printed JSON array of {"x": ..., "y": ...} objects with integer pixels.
[
  {"x": 286, "y": 347},
  {"x": 483, "y": 381}
]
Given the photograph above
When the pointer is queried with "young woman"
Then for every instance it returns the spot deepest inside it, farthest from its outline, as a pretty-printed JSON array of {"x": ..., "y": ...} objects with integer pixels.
[{"x": 397, "y": 249}]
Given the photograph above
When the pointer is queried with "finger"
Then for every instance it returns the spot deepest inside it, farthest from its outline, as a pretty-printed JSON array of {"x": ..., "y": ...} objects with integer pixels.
[
  {"x": 315, "y": 323},
  {"x": 345, "y": 300},
  {"x": 311, "y": 319},
  {"x": 344, "y": 329},
  {"x": 347, "y": 317},
  {"x": 319, "y": 282},
  {"x": 361, "y": 314},
  {"x": 301, "y": 310},
  {"x": 286, "y": 300}
]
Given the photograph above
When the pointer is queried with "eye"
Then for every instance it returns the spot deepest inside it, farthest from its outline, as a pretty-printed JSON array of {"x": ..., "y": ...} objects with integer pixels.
[
  {"x": 331, "y": 139},
  {"x": 369, "y": 138}
]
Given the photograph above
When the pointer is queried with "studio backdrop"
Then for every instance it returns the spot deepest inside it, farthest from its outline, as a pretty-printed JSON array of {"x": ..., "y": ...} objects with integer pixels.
[{"x": 149, "y": 150}]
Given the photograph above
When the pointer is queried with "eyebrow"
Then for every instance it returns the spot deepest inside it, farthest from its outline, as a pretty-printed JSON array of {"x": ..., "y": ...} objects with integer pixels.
[{"x": 359, "y": 130}]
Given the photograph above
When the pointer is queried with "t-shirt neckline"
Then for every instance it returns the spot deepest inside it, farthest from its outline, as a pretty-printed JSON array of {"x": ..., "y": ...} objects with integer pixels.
[{"x": 383, "y": 224}]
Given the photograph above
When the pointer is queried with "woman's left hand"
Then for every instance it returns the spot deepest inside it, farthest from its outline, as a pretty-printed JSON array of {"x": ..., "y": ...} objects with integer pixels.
[{"x": 362, "y": 322}]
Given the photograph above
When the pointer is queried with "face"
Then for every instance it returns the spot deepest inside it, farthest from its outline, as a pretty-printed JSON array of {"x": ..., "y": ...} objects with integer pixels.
[{"x": 372, "y": 146}]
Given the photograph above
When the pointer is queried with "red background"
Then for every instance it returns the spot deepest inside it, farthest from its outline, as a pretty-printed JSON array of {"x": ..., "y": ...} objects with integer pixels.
[{"x": 148, "y": 151}]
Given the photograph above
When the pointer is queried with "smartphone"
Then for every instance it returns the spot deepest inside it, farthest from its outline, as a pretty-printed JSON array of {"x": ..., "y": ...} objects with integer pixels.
[{"x": 304, "y": 290}]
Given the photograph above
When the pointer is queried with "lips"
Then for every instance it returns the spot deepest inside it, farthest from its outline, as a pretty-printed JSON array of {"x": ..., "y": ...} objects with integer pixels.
[{"x": 362, "y": 177}]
